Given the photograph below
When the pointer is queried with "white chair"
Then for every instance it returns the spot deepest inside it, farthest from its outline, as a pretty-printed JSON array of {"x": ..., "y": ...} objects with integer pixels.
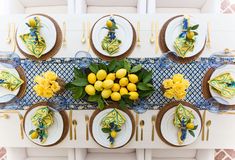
[
  {"x": 179, "y": 154},
  {"x": 183, "y": 6},
  {"x": 109, "y": 154},
  {"x": 40, "y": 154},
  {"x": 110, "y": 6},
  {"x": 40, "y": 6}
]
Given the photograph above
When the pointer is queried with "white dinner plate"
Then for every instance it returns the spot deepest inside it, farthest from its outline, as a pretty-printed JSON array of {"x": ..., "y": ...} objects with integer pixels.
[
  {"x": 48, "y": 32},
  {"x": 174, "y": 28},
  {"x": 101, "y": 138},
  {"x": 169, "y": 131},
  {"x": 5, "y": 94},
  {"x": 55, "y": 131},
  {"x": 124, "y": 33},
  {"x": 227, "y": 68}
]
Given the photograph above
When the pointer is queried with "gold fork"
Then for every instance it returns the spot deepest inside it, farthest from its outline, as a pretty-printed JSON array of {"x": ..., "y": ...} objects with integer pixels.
[
  {"x": 13, "y": 39},
  {"x": 142, "y": 130},
  {"x": 64, "y": 34},
  {"x": 138, "y": 34},
  {"x": 87, "y": 123},
  {"x": 208, "y": 42},
  {"x": 153, "y": 124}
]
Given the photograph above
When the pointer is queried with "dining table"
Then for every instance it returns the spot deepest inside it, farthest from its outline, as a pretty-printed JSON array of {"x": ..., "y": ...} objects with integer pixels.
[{"x": 222, "y": 33}]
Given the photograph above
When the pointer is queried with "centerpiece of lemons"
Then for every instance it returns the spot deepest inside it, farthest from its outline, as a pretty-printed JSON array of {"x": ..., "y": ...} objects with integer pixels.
[{"x": 118, "y": 82}]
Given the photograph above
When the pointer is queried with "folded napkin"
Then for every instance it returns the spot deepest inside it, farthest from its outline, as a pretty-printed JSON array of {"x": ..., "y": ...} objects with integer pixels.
[
  {"x": 222, "y": 84},
  {"x": 114, "y": 116},
  {"x": 10, "y": 81},
  {"x": 182, "y": 116},
  {"x": 34, "y": 42},
  {"x": 43, "y": 116},
  {"x": 111, "y": 46}
]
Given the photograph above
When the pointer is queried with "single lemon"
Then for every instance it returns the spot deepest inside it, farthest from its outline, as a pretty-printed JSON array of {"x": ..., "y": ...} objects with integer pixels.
[
  {"x": 190, "y": 126},
  {"x": 123, "y": 82},
  {"x": 106, "y": 93},
  {"x": 109, "y": 23},
  {"x": 131, "y": 87},
  {"x": 111, "y": 76},
  {"x": 123, "y": 91},
  {"x": 133, "y": 78},
  {"x": 107, "y": 84},
  {"x": 32, "y": 22},
  {"x": 91, "y": 78},
  {"x": 34, "y": 135},
  {"x": 98, "y": 85},
  {"x": 113, "y": 134},
  {"x": 116, "y": 87},
  {"x": 133, "y": 96},
  {"x": 90, "y": 90},
  {"x": 121, "y": 73},
  {"x": 115, "y": 96},
  {"x": 101, "y": 74},
  {"x": 190, "y": 35}
]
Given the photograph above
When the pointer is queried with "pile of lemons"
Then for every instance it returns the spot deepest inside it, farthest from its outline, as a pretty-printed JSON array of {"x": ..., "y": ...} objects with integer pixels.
[{"x": 113, "y": 85}]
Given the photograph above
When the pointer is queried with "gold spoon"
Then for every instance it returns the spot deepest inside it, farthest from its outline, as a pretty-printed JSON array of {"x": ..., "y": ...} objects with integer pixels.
[
  {"x": 153, "y": 123},
  {"x": 75, "y": 126},
  {"x": 152, "y": 35},
  {"x": 142, "y": 132},
  {"x": 208, "y": 124},
  {"x": 4, "y": 116},
  {"x": 8, "y": 39},
  {"x": 83, "y": 40},
  {"x": 87, "y": 122}
]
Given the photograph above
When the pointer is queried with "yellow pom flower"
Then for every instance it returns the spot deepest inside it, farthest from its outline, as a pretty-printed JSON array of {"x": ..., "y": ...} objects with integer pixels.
[
  {"x": 38, "y": 89},
  {"x": 169, "y": 93},
  {"x": 177, "y": 78},
  {"x": 178, "y": 87},
  {"x": 180, "y": 95},
  {"x": 48, "y": 93},
  {"x": 167, "y": 83},
  {"x": 50, "y": 75},
  {"x": 55, "y": 86},
  {"x": 44, "y": 83},
  {"x": 38, "y": 79},
  {"x": 186, "y": 83}
]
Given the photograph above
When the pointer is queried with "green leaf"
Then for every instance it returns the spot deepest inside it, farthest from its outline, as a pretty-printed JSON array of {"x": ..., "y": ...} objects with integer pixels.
[
  {"x": 77, "y": 92},
  {"x": 144, "y": 86},
  {"x": 103, "y": 66},
  {"x": 106, "y": 130},
  {"x": 127, "y": 65},
  {"x": 191, "y": 132},
  {"x": 195, "y": 27},
  {"x": 195, "y": 127},
  {"x": 195, "y": 33},
  {"x": 147, "y": 76},
  {"x": 144, "y": 94},
  {"x": 94, "y": 67},
  {"x": 112, "y": 65},
  {"x": 136, "y": 68},
  {"x": 100, "y": 104},
  {"x": 80, "y": 82},
  {"x": 31, "y": 131},
  {"x": 94, "y": 98},
  {"x": 122, "y": 104},
  {"x": 78, "y": 73},
  {"x": 69, "y": 85}
]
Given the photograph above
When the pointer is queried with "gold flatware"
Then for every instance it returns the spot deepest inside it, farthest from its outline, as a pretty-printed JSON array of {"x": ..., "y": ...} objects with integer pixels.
[
  {"x": 83, "y": 39},
  {"x": 152, "y": 34},
  {"x": 226, "y": 112},
  {"x": 75, "y": 127},
  {"x": 8, "y": 39},
  {"x": 203, "y": 125},
  {"x": 87, "y": 123},
  {"x": 137, "y": 126},
  {"x": 88, "y": 36},
  {"x": 153, "y": 126},
  {"x": 70, "y": 124},
  {"x": 157, "y": 33},
  {"x": 138, "y": 34},
  {"x": 142, "y": 130},
  {"x": 13, "y": 39},
  {"x": 208, "y": 124},
  {"x": 4, "y": 116},
  {"x": 208, "y": 42},
  {"x": 64, "y": 34}
]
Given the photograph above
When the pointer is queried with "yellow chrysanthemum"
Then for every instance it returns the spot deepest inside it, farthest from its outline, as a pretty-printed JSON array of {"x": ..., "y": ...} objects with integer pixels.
[
  {"x": 47, "y": 93},
  {"x": 169, "y": 93},
  {"x": 177, "y": 78},
  {"x": 45, "y": 83},
  {"x": 180, "y": 95},
  {"x": 50, "y": 75},
  {"x": 38, "y": 89},
  {"x": 178, "y": 87},
  {"x": 55, "y": 86},
  {"x": 167, "y": 83},
  {"x": 186, "y": 83},
  {"x": 38, "y": 79}
]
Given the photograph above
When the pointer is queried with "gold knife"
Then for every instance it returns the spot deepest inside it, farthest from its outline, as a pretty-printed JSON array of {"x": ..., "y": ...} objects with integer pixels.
[
  {"x": 88, "y": 36},
  {"x": 136, "y": 124},
  {"x": 157, "y": 47},
  {"x": 208, "y": 43},
  {"x": 138, "y": 34},
  {"x": 70, "y": 124},
  {"x": 203, "y": 125}
]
